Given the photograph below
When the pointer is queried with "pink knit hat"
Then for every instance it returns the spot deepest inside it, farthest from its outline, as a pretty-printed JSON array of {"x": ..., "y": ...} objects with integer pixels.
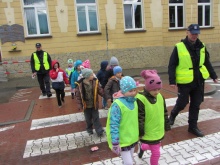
[
  {"x": 152, "y": 80},
  {"x": 86, "y": 64}
]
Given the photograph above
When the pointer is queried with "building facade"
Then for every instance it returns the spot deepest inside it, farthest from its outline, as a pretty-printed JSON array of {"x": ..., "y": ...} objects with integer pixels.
[{"x": 140, "y": 33}]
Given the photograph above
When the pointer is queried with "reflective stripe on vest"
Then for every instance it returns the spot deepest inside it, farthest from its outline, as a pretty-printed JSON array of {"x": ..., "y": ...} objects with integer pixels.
[
  {"x": 154, "y": 118},
  {"x": 184, "y": 71},
  {"x": 37, "y": 62},
  {"x": 128, "y": 128}
]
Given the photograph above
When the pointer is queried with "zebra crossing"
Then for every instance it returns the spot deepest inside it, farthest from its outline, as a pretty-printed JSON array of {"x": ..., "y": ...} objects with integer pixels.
[{"x": 190, "y": 151}]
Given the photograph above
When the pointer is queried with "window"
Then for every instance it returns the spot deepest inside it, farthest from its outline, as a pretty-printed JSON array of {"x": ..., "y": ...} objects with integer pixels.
[
  {"x": 36, "y": 17},
  {"x": 87, "y": 16},
  {"x": 204, "y": 13},
  {"x": 176, "y": 13},
  {"x": 133, "y": 11}
]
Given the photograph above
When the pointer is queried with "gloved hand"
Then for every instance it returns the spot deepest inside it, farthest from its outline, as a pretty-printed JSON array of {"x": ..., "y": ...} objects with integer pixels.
[{"x": 116, "y": 149}]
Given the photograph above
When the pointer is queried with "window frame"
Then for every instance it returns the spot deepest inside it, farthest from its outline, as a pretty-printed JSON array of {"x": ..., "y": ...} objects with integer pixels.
[
  {"x": 36, "y": 8},
  {"x": 204, "y": 4},
  {"x": 87, "y": 17},
  {"x": 176, "y": 14},
  {"x": 133, "y": 18}
]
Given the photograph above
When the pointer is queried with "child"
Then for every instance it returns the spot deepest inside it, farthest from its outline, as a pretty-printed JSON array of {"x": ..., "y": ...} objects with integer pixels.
[
  {"x": 85, "y": 64},
  {"x": 69, "y": 70},
  {"x": 113, "y": 85},
  {"x": 112, "y": 63},
  {"x": 101, "y": 75},
  {"x": 153, "y": 118},
  {"x": 87, "y": 92},
  {"x": 58, "y": 77},
  {"x": 122, "y": 122},
  {"x": 74, "y": 76}
]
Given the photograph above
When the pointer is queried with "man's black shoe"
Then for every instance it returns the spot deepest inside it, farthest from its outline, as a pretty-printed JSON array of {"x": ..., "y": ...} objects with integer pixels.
[
  {"x": 100, "y": 134},
  {"x": 49, "y": 94},
  {"x": 44, "y": 94},
  {"x": 141, "y": 152},
  {"x": 172, "y": 119},
  {"x": 196, "y": 132}
]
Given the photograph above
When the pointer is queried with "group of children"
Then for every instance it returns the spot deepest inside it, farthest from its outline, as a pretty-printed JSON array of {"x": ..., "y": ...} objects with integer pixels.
[{"x": 133, "y": 117}]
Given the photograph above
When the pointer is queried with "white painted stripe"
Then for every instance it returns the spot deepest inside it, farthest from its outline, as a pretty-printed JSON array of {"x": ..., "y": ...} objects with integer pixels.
[
  {"x": 64, "y": 119},
  {"x": 54, "y": 95},
  {"x": 209, "y": 80},
  {"x": 172, "y": 101},
  {"x": 190, "y": 151},
  {"x": 24, "y": 92},
  {"x": 71, "y": 118},
  {"x": 65, "y": 89},
  {"x": 23, "y": 100},
  {"x": 80, "y": 139},
  {"x": 204, "y": 115},
  {"x": 215, "y": 84},
  {"x": 6, "y": 128}
]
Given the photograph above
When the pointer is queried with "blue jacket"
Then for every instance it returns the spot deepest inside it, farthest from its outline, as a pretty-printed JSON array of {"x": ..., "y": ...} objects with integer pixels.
[
  {"x": 74, "y": 78},
  {"x": 116, "y": 115}
]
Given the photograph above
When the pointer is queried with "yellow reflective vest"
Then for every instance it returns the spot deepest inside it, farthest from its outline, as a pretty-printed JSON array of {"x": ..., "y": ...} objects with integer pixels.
[
  {"x": 128, "y": 128},
  {"x": 37, "y": 62},
  {"x": 184, "y": 71},
  {"x": 154, "y": 118}
]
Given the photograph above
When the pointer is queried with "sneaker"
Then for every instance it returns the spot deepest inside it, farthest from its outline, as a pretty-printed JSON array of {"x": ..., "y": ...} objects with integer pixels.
[
  {"x": 60, "y": 106},
  {"x": 44, "y": 94},
  {"x": 141, "y": 152},
  {"x": 196, "y": 132},
  {"x": 49, "y": 94},
  {"x": 100, "y": 134},
  {"x": 90, "y": 132}
]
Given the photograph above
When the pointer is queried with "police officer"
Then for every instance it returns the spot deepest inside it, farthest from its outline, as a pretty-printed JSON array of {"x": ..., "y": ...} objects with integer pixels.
[
  {"x": 188, "y": 68},
  {"x": 41, "y": 65}
]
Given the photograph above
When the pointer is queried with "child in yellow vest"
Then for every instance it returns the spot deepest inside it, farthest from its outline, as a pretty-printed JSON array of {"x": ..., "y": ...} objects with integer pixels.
[
  {"x": 69, "y": 70},
  {"x": 122, "y": 122},
  {"x": 153, "y": 117}
]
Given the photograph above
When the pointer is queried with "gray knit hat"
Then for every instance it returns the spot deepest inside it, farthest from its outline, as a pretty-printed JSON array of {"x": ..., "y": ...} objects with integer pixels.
[
  {"x": 113, "y": 61},
  {"x": 86, "y": 72}
]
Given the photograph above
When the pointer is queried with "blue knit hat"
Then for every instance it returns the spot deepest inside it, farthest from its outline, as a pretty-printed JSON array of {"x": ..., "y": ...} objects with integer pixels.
[
  {"x": 127, "y": 83},
  {"x": 77, "y": 63},
  {"x": 117, "y": 69}
]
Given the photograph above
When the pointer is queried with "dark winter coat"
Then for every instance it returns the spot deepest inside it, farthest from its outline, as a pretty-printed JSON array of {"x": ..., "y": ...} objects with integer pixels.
[
  {"x": 111, "y": 87},
  {"x": 101, "y": 73},
  {"x": 81, "y": 96},
  {"x": 194, "y": 50},
  {"x": 40, "y": 56}
]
